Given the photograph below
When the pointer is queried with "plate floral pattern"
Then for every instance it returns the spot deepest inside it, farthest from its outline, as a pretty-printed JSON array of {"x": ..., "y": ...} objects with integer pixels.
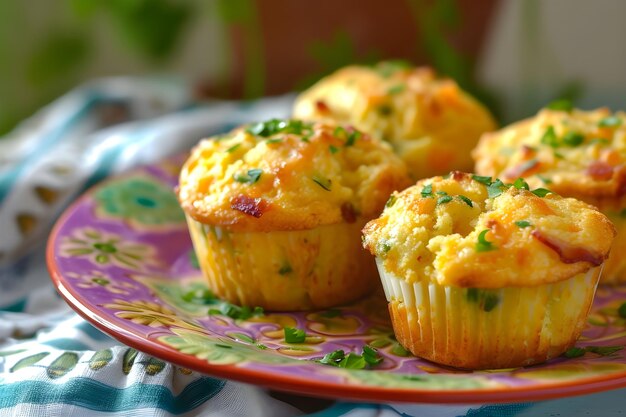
[{"x": 122, "y": 257}]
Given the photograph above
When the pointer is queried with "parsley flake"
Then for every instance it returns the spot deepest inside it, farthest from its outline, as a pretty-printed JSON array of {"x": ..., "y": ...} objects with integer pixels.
[
  {"x": 250, "y": 177},
  {"x": 549, "y": 137},
  {"x": 520, "y": 184},
  {"x": 573, "y": 139},
  {"x": 333, "y": 149},
  {"x": 293, "y": 335},
  {"x": 339, "y": 358},
  {"x": 444, "y": 199},
  {"x": 610, "y": 121},
  {"x": 427, "y": 191},
  {"x": 541, "y": 192},
  {"x": 466, "y": 200},
  {"x": 483, "y": 180},
  {"x": 522, "y": 224},
  {"x": 483, "y": 245}
]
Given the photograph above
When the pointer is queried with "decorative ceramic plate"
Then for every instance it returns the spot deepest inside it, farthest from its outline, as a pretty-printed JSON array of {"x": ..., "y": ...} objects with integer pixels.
[{"x": 122, "y": 258}]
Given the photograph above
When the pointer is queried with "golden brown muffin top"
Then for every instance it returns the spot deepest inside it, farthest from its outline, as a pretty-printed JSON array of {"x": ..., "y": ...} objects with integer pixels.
[
  {"x": 431, "y": 123},
  {"x": 288, "y": 175},
  {"x": 470, "y": 231},
  {"x": 575, "y": 153}
]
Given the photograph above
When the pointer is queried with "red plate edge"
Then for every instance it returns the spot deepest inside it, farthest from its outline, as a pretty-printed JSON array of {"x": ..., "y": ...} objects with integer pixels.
[{"x": 311, "y": 387}]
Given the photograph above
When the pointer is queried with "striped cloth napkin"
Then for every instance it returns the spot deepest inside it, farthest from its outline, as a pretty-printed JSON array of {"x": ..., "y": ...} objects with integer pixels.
[{"x": 52, "y": 363}]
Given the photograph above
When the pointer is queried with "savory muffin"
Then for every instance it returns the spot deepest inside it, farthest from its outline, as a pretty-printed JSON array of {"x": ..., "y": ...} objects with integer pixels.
[
  {"x": 580, "y": 154},
  {"x": 479, "y": 274},
  {"x": 431, "y": 123},
  {"x": 275, "y": 211}
]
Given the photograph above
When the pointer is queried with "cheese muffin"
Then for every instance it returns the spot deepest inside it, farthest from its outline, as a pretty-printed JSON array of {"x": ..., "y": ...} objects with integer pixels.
[
  {"x": 580, "y": 154},
  {"x": 431, "y": 123},
  {"x": 480, "y": 275},
  {"x": 275, "y": 211}
]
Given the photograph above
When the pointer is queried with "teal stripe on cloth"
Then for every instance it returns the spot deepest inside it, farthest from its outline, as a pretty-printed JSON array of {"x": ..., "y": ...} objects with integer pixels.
[
  {"x": 92, "y": 332},
  {"x": 16, "y": 307},
  {"x": 66, "y": 344},
  {"x": 8, "y": 179},
  {"x": 94, "y": 395},
  {"x": 500, "y": 410}
]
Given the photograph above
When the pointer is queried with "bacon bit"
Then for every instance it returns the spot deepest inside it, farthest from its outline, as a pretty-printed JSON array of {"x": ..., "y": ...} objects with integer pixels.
[
  {"x": 254, "y": 207},
  {"x": 322, "y": 107},
  {"x": 567, "y": 253},
  {"x": 457, "y": 175},
  {"x": 600, "y": 171},
  {"x": 348, "y": 212},
  {"x": 528, "y": 151},
  {"x": 522, "y": 169}
]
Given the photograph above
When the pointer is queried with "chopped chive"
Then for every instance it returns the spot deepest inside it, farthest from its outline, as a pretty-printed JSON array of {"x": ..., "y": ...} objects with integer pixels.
[
  {"x": 522, "y": 224},
  {"x": 441, "y": 193},
  {"x": 351, "y": 360},
  {"x": 549, "y": 137},
  {"x": 387, "y": 68},
  {"x": 573, "y": 139},
  {"x": 274, "y": 140},
  {"x": 575, "y": 352},
  {"x": 233, "y": 148},
  {"x": 466, "y": 200},
  {"x": 541, "y": 192},
  {"x": 396, "y": 89},
  {"x": 352, "y": 137},
  {"x": 444, "y": 199},
  {"x": 274, "y": 126},
  {"x": 486, "y": 300},
  {"x": 293, "y": 335},
  {"x": 325, "y": 183},
  {"x": 562, "y": 105},
  {"x": 604, "y": 350},
  {"x": 202, "y": 296},
  {"x": 481, "y": 179},
  {"x": 622, "y": 310},
  {"x": 483, "y": 245},
  {"x": 427, "y": 191},
  {"x": 384, "y": 247},
  {"x": 520, "y": 184},
  {"x": 496, "y": 188},
  {"x": 610, "y": 121},
  {"x": 250, "y": 177},
  {"x": 333, "y": 149},
  {"x": 392, "y": 200},
  {"x": 371, "y": 356}
]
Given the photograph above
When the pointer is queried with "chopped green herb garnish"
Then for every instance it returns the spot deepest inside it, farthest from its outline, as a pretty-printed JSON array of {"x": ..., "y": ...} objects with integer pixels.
[
  {"x": 483, "y": 245},
  {"x": 444, "y": 199},
  {"x": 285, "y": 269},
  {"x": 352, "y": 137},
  {"x": 562, "y": 105},
  {"x": 392, "y": 200},
  {"x": 332, "y": 313},
  {"x": 496, "y": 188},
  {"x": 233, "y": 148},
  {"x": 274, "y": 126},
  {"x": 250, "y": 177},
  {"x": 604, "y": 350},
  {"x": 236, "y": 312},
  {"x": 325, "y": 183},
  {"x": 541, "y": 192},
  {"x": 611, "y": 121},
  {"x": 427, "y": 191},
  {"x": 558, "y": 155},
  {"x": 333, "y": 149},
  {"x": 396, "y": 89},
  {"x": 622, "y": 311},
  {"x": 522, "y": 224},
  {"x": 466, "y": 200},
  {"x": 385, "y": 247},
  {"x": 483, "y": 180},
  {"x": 520, "y": 184},
  {"x": 399, "y": 350},
  {"x": 549, "y": 137},
  {"x": 441, "y": 193},
  {"x": 201, "y": 296},
  {"x": 293, "y": 335},
  {"x": 274, "y": 140},
  {"x": 573, "y": 139},
  {"x": 487, "y": 300},
  {"x": 339, "y": 358},
  {"x": 575, "y": 352},
  {"x": 384, "y": 110}
]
